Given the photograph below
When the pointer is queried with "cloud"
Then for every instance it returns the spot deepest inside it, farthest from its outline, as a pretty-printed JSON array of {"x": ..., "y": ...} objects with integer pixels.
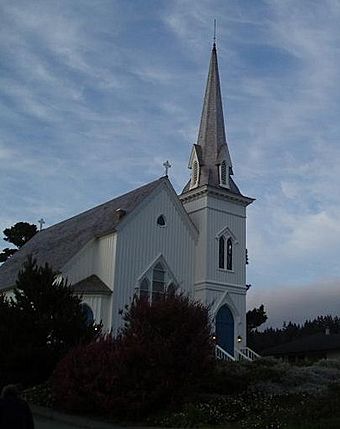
[
  {"x": 297, "y": 303},
  {"x": 95, "y": 98}
]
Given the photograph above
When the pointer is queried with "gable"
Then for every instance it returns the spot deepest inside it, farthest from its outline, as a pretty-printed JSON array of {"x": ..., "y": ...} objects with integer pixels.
[
  {"x": 175, "y": 201},
  {"x": 59, "y": 243}
]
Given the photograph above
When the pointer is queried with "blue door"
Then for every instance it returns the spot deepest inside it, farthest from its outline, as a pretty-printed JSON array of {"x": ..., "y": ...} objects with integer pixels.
[{"x": 225, "y": 329}]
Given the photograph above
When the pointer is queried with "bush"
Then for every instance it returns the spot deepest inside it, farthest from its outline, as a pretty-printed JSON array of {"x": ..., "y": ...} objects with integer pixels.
[
  {"x": 162, "y": 355},
  {"x": 86, "y": 378}
]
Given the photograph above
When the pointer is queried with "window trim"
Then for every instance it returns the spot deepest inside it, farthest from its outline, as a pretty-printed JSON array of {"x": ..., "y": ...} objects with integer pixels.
[
  {"x": 195, "y": 174},
  {"x": 224, "y": 173},
  {"x": 159, "y": 219},
  {"x": 148, "y": 276},
  {"x": 227, "y": 236}
]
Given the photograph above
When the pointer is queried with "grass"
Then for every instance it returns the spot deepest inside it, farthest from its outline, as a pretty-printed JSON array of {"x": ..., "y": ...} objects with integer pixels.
[{"x": 331, "y": 423}]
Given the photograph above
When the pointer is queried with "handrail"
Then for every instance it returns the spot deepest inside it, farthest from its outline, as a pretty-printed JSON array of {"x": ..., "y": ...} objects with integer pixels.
[
  {"x": 249, "y": 353},
  {"x": 222, "y": 354},
  {"x": 242, "y": 356},
  {"x": 245, "y": 353}
]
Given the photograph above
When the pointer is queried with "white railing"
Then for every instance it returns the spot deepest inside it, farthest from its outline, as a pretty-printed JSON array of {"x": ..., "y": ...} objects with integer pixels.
[
  {"x": 241, "y": 356},
  {"x": 244, "y": 353},
  {"x": 249, "y": 353},
  {"x": 222, "y": 354}
]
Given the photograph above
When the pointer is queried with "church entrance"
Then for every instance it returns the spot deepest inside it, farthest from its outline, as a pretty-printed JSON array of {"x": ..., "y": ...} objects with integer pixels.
[{"x": 225, "y": 329}]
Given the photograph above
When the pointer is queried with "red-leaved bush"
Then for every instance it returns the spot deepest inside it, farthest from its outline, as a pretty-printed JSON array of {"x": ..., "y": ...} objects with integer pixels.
[{"x": 162, "y": 354}]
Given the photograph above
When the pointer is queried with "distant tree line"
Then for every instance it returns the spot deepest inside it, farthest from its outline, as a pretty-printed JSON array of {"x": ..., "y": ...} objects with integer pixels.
[{"x": 271, "y": 337}]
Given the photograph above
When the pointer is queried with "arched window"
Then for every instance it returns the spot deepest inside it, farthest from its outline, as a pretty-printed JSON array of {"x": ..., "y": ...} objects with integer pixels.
[
  {"x": 88, "y": 313},
  {"x": 223, "y": 173},
  {"x": 221, "y": 252},
  {"x": 229, "y": 254},
  {"x": 158, "y": 281},
  {"x": 144, "y": 289},
  {"x": 194, "y": 173}
]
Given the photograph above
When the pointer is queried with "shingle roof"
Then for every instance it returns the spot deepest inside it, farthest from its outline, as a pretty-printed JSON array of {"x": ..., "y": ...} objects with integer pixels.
[
  {"x": 311, "y": 343},
  {"x": 58, "y": 243},
  {"x": 91, "y": 285}
]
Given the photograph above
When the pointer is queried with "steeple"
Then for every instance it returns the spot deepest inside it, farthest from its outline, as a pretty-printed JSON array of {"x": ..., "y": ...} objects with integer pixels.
[{"x": 210, "y": 160}]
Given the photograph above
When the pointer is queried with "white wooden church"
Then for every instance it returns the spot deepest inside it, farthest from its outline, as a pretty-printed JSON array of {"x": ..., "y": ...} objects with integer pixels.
[{"x": 152, "y": 239}]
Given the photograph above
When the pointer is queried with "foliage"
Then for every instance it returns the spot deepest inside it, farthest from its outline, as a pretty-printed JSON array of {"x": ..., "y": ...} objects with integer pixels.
[
  {"x": 249, "y": 403},
  {"x": 161, "y": 356},
  {"x": 39, "y": 325},
  {"x": 19, "y": 234},
  {"x": 255, "y": 318},
  {"x": 7, "y": 253},
  {"x": 40, "y": 395},
  {"x": 293, "y": 404},
  {"x": 271, "y": 337}
]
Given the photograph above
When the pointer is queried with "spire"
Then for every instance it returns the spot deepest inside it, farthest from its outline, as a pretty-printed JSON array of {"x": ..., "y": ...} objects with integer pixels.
[{"x": 211, "y": 136}]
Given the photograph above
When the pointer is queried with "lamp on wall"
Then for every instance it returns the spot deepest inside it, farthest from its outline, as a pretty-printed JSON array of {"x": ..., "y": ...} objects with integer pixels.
[{"x": 239, "y": 339}]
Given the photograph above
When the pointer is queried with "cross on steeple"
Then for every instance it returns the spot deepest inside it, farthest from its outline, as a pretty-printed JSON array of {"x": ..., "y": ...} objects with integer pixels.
[
  {"x": 166, "y": 165},
  {"x": 41, "y": 223}
]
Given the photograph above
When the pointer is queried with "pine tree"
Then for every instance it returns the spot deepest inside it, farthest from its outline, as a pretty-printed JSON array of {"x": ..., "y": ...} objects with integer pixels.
[
  {"x": 19, "y": 234},
  {"x": 40, "y": 324}
]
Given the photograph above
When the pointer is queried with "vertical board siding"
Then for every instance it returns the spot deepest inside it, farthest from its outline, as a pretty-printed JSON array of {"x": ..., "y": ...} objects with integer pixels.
[
  {"x": 211, "y": 215},
  {"x": 100, "y": 306},
  {"x": 217, "y": 221},
  {"x": 104, "y": 259},
  {"x": 198, "y": 214},
  {"x": 97, "y": 257},
  {"x": 239, "y": 301},
  {"x": 81, "y": 265},
  {"x": 143, "y": 241}
]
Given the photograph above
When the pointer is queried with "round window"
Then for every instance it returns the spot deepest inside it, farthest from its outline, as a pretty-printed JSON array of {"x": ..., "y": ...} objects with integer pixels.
[{"x": 161, "y": 220}]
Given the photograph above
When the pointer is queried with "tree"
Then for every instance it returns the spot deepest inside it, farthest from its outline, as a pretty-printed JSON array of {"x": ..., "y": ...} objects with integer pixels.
[
  {"x": 19, "y": 234},
  {"x": 271, "y": 337},
  {"x": 255, "y": 318},
  {"x": 39, "y": 325},
  {"x": 162, "y": 355}
]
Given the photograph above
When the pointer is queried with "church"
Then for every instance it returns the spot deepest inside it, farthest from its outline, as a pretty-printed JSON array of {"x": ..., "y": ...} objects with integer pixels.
[{"x": 151, "y": 240}]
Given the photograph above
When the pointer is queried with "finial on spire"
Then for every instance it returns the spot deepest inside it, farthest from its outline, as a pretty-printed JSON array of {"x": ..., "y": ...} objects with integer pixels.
[{"x": 214, "y": 45}]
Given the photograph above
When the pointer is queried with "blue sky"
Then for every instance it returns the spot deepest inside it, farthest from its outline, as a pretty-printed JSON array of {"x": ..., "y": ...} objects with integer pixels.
[{"x": 96, "y": 95}]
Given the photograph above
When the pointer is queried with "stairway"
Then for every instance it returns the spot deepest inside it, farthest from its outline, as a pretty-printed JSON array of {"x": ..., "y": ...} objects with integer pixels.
[{"x": 245, "y": 353}]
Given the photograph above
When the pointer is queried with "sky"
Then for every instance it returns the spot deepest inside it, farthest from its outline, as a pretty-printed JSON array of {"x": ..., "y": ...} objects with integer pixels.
[{"x": 96, "y": 95}]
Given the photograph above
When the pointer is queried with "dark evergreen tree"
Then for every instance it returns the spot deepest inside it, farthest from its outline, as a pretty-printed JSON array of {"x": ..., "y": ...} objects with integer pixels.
[
  {"x": 255, "y": 318},
  {"x": 40, "y": 324},
  {"x": 271, "y": 337},
  {"x": 19, "y": 234}
]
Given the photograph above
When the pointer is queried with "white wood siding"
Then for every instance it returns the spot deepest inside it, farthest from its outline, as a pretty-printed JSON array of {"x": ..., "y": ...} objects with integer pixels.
[
  {"x": 97, "y": 257},
  {"x": 80, "y": 265},
  {"x": 100, "y": 306},
  {"x": 223, "y": 214},
  {"x": 142, "y": 241},
  {"x": 105, "y": 256},
  {"x": 211, "y": 215}
]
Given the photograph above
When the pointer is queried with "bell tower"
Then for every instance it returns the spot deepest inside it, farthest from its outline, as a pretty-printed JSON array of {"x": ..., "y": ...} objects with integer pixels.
[{"x": 218, "y": 209}]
